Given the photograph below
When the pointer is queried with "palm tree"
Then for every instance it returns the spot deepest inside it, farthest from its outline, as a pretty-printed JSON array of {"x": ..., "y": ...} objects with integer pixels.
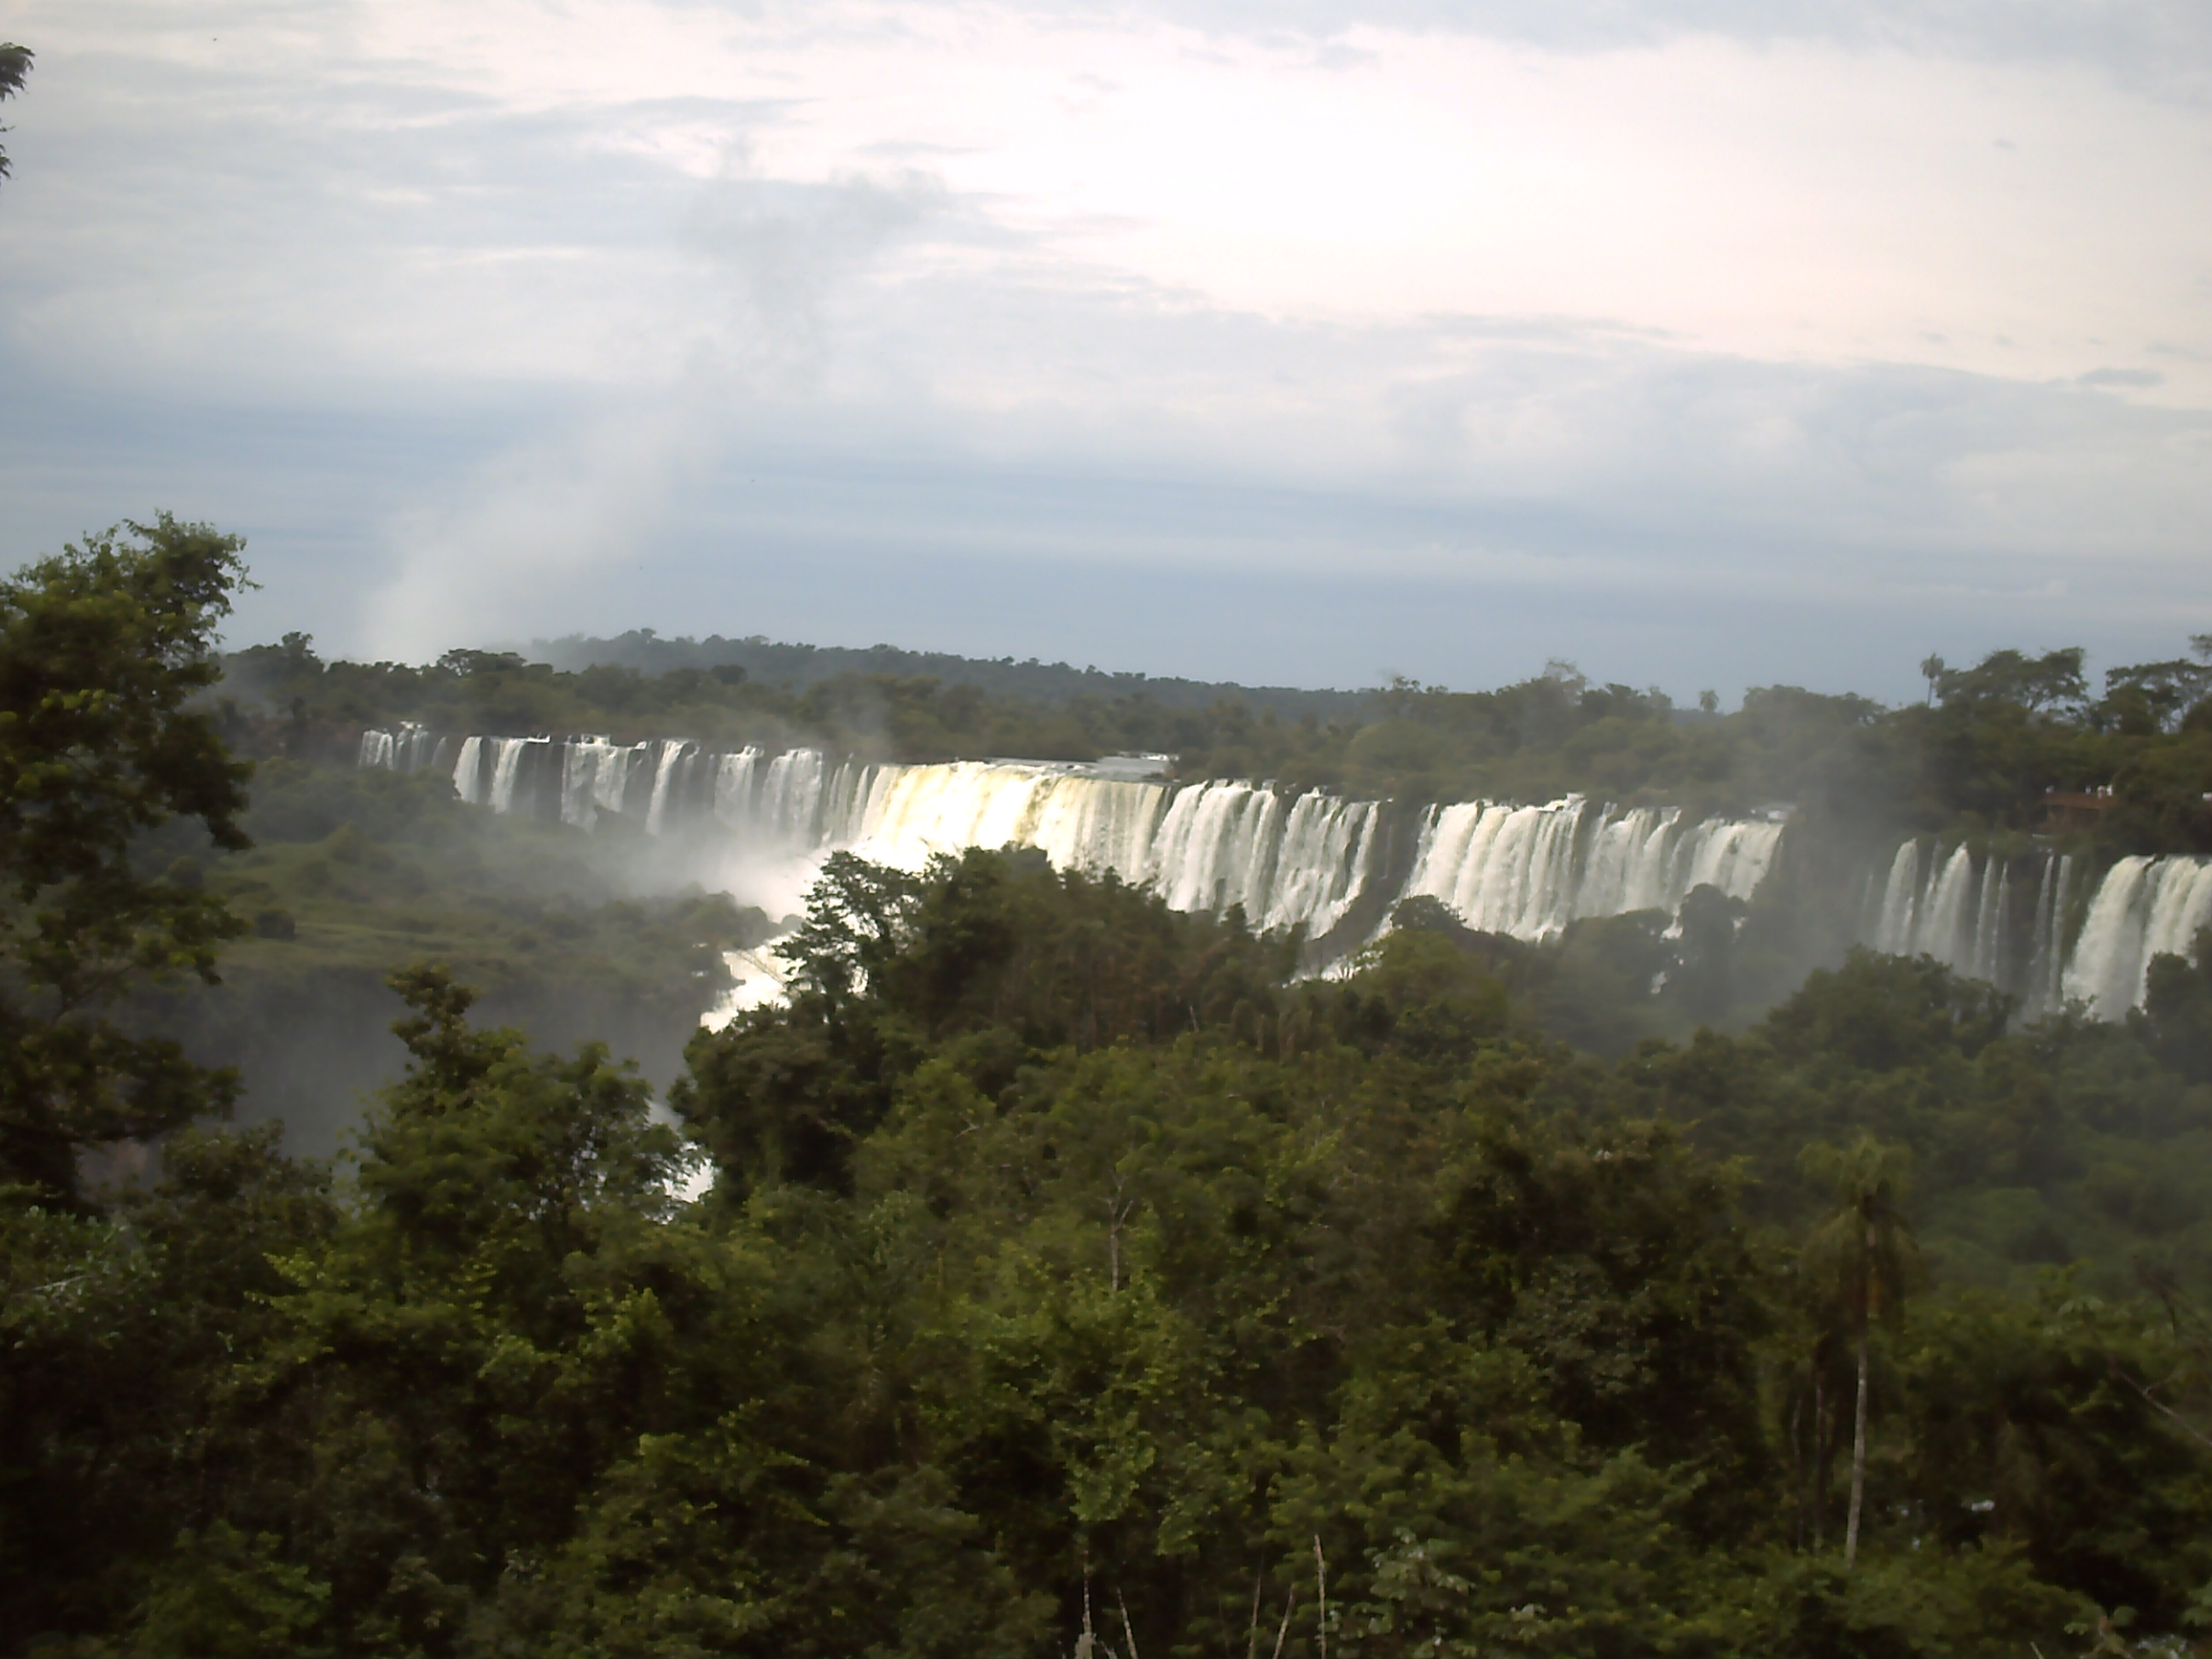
[{"x": 1863, "y": 1260}]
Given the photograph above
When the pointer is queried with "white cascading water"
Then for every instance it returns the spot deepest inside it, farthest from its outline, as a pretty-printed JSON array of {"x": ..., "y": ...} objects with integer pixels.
[
  {"x": 468, "y": 772},
  {"x": 1961, "y": 918},
  {"x": 409, "y": 749},
  {"x": 1309, "y": 859},
  {"x": 507, "y": 770},
  {"x": 595, "y": 778},
  {"x": 763, "y": 824},
  {"x": 1529, "y": 871},
  {"x": 2054, "y": 892},
  {"x": 1900, "y": 896},
  {"x": 1968, "y": 912},
  {"x": 2143, "y": 908},
  {"x": 1223, "y": 844},
  {"x": 673, "y": 752},
  {"x": 776, "y": 800},
  {"x": 1204, "y": 847}
]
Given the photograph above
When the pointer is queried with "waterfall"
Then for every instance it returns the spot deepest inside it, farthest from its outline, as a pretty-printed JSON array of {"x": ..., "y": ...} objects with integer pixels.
[
  {"x": 406, "y": 748},
  {"x": 760, "y": 822},
  {"x": 1730, "y": 854},
  {"x": 1314, "y": 860},
  {"x": 2047, "y": 970},
  {"x": 1941, "y": 929},
  {"x": 468, "y": 772},
  {"x": 2180, "y": 907},
  {"x": 1900, "y": 902},
  {"x": 792, "y": 793},
  {"x": 594, "y": 779},
  {"x": 1320, "y": 869},
  {"x": 507, "y": 770},
  {"x": 2144, "y": 907},
  {"x": 666, "y": 770},
  {"x": 1529, "y": 871},
  {"x": 900, "y": 815},
  {"x": 754, "y": 821},
  {"x": 1984, "y": 917},
  {"x": 737, "y": 780},
  {"x": 1989, "y": 950},
  {"x": 2005, "y": 922}
]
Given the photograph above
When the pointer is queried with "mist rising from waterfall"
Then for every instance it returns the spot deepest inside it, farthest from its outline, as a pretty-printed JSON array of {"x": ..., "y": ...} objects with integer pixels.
[{"x": 758, "y": 825}]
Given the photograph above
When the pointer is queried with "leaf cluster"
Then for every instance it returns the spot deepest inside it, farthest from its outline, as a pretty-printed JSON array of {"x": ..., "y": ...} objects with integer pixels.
[
  {"x": 1064, "y": 1253},
  {"x": 103, "y": 649}
]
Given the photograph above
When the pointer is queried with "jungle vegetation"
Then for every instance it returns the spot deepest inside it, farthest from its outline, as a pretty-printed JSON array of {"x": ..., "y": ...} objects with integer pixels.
[{"x": 1054, "y": 1272}]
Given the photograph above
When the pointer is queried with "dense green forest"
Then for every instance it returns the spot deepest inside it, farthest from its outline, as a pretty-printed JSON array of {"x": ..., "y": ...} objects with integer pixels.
[{"x": 1070, "y": 1278}]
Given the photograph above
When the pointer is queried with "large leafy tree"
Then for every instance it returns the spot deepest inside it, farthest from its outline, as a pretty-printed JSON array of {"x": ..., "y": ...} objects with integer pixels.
[
  {"x": 102, "y": 649},
  {"x": 119, "y": 1426}
]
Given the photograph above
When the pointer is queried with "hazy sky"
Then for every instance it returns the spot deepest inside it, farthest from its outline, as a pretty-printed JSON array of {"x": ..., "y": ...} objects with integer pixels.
[{"x": 1706, "y": 344}]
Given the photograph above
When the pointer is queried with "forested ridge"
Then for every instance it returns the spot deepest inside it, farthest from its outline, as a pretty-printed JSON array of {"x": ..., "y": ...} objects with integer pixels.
[
  {"x": 1980, "y": 758},
  {"x": 1072, "y": 1278}
]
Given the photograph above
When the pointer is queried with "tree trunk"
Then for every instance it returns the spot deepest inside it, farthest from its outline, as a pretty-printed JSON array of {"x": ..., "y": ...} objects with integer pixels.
[
  {"x": 1823, "y": 1444},
  {"x": 1798, "y": 1459},
  {"x": 1858, "y": 1456}
]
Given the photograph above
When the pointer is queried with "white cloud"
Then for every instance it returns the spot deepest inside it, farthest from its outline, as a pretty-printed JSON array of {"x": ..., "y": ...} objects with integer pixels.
[
  {"x": 784, "y": 246},
  {"x": 1693, "y": 296}
]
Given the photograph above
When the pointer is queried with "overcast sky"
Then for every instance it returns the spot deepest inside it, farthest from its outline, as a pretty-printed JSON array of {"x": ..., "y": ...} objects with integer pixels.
[{"x": 1707, "y": 345}]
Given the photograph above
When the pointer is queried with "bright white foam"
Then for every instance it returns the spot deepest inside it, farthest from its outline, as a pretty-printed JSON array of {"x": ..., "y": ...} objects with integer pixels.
[{"x": 759, "y": 827}]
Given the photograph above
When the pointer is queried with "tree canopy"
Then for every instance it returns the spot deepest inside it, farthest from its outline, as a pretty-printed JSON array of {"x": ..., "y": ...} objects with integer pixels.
[
  {"x": 102, "y": 649},
  {"x": 1062, "y": 1251}
]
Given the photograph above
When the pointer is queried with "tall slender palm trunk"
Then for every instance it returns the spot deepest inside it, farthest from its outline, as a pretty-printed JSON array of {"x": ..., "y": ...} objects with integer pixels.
[
  {"x": 1823, "y": 1449},
  {"x": 1863, "y": 1255},
  {"x": 1858, "y": 1456}
]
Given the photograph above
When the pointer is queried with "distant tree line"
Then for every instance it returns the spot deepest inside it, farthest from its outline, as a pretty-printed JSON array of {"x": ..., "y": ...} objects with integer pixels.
[
  {"x": 1980, "y": 758},
  {"x": 799, "y": 667}
]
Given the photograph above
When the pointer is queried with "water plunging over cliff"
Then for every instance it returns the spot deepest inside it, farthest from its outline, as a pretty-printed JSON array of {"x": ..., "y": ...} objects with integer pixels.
[
  {"x": 2008, "y": 921},
  {"x": 1313, "y": 859},
  {"x": 1529, "y": 871},
  {"x": 2143, "y": 908},
  {"x": 758, "y": 824}
]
